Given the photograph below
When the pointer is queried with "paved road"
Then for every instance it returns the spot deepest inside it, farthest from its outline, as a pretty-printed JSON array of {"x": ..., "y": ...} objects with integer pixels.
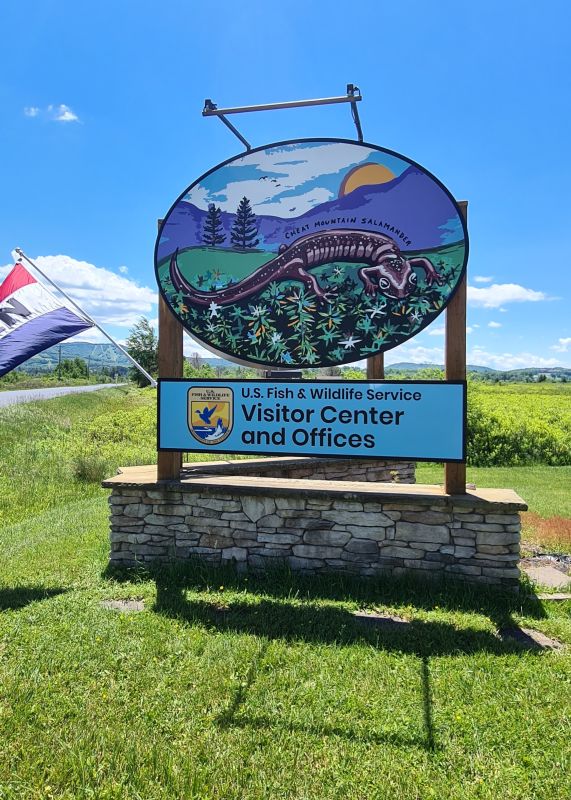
[{"x": 26, "y": 395}]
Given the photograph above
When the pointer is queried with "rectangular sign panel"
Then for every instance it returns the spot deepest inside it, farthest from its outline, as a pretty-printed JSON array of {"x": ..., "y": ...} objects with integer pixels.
[{"x": 416, "y": 420}]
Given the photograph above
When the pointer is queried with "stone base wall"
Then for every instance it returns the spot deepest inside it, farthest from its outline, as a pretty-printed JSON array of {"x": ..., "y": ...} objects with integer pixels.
[
  {"x": 333, "y": 469},
  {"x": 334, "y": 527}
]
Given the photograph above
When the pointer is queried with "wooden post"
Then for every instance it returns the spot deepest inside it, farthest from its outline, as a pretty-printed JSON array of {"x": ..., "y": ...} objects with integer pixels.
[
  {"x": 376, "y": 367},
  {"x": 170, "y": 366},
  {"x": 455, "y": 361}
]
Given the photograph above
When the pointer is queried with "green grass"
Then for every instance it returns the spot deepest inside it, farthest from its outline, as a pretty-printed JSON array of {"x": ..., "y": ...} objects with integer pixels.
[
  {"x": 247, "y": 688},
  {"x": 197, "y": 260},
  {"x": 547, "y": 490},
  {"x": 229, "y": 687},
  {"x": 41, "y": 444}
]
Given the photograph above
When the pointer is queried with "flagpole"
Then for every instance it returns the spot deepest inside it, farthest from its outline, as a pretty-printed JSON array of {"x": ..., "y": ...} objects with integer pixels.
[{"x": 141, "y": 369}]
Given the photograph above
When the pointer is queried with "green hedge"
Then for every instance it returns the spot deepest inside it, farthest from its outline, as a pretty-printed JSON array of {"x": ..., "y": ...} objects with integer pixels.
[{"x": 518, "y": 425}]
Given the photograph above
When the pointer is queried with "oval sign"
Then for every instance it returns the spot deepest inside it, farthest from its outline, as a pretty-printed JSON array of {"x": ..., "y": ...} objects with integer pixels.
[{"x": 310, "y": 253}]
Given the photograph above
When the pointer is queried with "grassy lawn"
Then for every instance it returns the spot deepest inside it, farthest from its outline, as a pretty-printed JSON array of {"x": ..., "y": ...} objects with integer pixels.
[
  {"x": 547, "y": 490},
  {"x": 240, "y": 687}
]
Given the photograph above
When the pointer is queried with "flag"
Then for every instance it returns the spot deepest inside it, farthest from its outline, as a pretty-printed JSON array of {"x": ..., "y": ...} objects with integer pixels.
[{"x": 31, "y": 319}]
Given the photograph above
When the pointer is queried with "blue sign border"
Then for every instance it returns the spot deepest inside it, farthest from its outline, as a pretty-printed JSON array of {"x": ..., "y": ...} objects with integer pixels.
[{"x": 308, "y": 383}]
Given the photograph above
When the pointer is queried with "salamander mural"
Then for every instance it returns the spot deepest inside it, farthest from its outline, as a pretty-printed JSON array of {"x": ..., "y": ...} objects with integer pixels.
[{"x": 310, "y": 253}]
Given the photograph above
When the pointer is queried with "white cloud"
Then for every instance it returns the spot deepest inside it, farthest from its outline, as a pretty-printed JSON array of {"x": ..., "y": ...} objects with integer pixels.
[
  {"x": 475, "y": 325},
  {"x": 109, "y": 298},
  {"x": 562, "y": 345},
  {"x": 493, "y": 324},
  {"x": 484, "y": 358},
  {"x": 441, "y": 331},
  {"x": 263, "y": 199},
  {"x": 477, "y": 356},
  {"x": 482, "y": 279},
  {"x": 62, "y": 113},
  {"x": 55, "y": 113},
  {"x": 92, "y": 335},
  {"x": 416, "y": 354},
  {"x": 191, "y": 346},
  {"x": 123, "y": 270},
  {"x": 291, "y": 170},
  {"x": 497, "y": 294}
]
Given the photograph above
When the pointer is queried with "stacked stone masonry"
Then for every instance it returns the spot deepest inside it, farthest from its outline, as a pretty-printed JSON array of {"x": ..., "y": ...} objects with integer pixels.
[
  {"x": 333, "y": 469},
  {"x": 316, "y": 530}
]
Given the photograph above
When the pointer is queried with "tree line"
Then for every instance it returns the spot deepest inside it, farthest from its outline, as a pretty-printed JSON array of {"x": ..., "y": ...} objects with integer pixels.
[{"x": 244, "y": 233}]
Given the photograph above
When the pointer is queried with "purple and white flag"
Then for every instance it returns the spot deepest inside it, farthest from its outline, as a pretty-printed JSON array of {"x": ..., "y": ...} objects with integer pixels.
[{"x": 31, "y": 319}]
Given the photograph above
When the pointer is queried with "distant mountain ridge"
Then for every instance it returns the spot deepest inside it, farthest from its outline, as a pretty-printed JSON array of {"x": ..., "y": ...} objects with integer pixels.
[
  {"x": 97, "y": 355},
  {"x": 411, "y": 366},
  {"x": 374, "y": 207},
  {"x": 406, "y": 366},
  {"x": 105, "y": 355}
]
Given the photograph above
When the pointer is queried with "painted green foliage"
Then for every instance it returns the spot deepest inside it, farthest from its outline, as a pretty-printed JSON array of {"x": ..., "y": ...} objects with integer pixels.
[{"x": 286, "y": 324}]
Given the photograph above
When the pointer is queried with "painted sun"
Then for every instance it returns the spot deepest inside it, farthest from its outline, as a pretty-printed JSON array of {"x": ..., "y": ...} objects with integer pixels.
[{"x": 365, "y": 175}]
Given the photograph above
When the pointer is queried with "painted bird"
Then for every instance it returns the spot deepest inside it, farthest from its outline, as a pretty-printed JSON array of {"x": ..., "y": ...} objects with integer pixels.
[{"x": 206, "y": 414}]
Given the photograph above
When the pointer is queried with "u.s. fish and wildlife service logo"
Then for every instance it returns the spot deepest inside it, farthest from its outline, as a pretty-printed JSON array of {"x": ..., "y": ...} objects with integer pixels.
[{"x": 210, "y": 413}]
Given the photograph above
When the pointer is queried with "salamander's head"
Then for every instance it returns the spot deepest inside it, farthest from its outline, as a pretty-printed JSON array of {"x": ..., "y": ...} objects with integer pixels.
[{"x": 397, "y": 278}]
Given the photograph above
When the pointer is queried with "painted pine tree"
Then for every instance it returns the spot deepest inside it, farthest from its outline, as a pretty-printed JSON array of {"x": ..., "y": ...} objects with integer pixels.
[
  {"x": 213, "y": 232},
  {"x": 244, "y": 230}
]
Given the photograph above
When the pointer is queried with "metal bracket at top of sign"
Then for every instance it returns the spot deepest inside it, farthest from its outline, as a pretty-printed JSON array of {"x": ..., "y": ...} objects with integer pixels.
[{"x": 353, "y": 96}]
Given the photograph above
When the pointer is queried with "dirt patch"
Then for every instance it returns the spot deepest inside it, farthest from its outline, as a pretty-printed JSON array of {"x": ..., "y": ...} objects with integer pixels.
[
  {"x": 124, "y": 606},
  {"x": 381, "y": 620}
]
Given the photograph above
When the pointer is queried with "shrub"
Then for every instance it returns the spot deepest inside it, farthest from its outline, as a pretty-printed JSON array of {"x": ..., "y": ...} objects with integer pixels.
[
  {"x": 511, "y": 429},
  {"x": 90, "y": 468},
  {"x": 135, "y": 425}
]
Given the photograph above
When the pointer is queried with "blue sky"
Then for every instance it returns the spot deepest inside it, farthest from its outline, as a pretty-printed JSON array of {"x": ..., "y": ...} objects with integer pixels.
[{"x": 101, "y": 130}]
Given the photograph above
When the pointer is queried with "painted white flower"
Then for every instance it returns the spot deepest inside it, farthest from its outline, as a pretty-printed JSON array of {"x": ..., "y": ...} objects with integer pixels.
[
  {"x": 350, "y": 342},
  {"x": 379, "y": 310},
  {"x": 213, "y": 308},
  {"x": 416, "y": 316},
  {"x": 276, "y": 337},
  {"x": 258, "y": 311}
]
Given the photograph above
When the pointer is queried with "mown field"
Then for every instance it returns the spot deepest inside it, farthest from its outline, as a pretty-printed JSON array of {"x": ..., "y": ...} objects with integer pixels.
[{"x": 242, "y": 687}]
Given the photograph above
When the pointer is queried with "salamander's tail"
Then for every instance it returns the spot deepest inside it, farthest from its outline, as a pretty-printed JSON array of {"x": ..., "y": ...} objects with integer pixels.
[{"x": 182, "y": 285}]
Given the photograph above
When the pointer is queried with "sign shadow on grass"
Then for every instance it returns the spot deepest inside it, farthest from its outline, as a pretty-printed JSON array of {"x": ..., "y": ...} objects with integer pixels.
[
  {"x": 233, "y": 716},
  {"x": 280, "y": 583},
  {"x": 295, "y": 621},
  {"x": 16, "y": 597}
]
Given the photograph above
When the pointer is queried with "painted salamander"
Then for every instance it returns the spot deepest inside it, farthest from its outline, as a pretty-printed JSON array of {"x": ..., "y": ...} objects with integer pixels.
[{"x": 386, "y": 270}]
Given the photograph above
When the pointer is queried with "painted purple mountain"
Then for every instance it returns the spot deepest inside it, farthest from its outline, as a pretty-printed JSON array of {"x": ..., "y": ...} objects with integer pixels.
[{"x": 413, "y": 205}]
